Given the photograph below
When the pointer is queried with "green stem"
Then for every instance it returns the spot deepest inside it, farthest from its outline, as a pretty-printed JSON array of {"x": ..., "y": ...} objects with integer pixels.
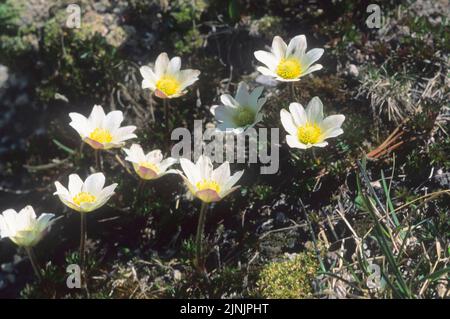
[
  {"x": 293, "y": 95},
  {"x": 83, "y": 232},
  {"x": 34, "y": 263},
  {"x": 97, "y": 161},
  {"x": 199, "y": 263},
  {"x": 166, "y": 120}
]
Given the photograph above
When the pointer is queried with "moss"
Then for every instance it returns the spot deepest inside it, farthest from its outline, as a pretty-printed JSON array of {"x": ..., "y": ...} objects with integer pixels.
[
  {"x": 267, "y": 26},
  {"x": 289, "y": 279},
  {"x": 80, "y": 60}
]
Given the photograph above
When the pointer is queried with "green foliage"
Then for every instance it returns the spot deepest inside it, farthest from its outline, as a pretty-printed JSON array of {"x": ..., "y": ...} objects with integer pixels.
[{"x": 289, "y": 279}]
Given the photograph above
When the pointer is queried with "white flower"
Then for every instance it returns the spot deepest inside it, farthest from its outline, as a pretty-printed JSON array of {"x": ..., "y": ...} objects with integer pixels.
[
  {"x": 167, "y": 80},
  {"x": 289, "y": 62},
  {"x": 102, "y": 131},
  {"x": 241, "y": 112},
  {"x": 85, "y": 196},
  {"x": 207, "y": 184},
  {"x": 150, "y": 165},
  {"x": 23, "y": 228},
  {"x": 308, "y": 127}
]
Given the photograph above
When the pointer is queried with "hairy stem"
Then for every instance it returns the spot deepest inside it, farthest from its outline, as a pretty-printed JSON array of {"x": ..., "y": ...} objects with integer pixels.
[
  {"x": 83, "y": 231},
  {"x": 34, "y": 263},
  {"x": 199, "y": 262}
]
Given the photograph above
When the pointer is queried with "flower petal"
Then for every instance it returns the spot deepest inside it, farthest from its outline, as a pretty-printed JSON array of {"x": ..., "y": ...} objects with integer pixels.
[
  {"x": 221, "y": 174},
  {"x": 279, "y": 47},
  {"x": 293, "y": 142},
  {"x": 154, "y": 157},
  {"x": 204, "y": 167},
  {"x": 314, "y": 110},
  {"x": 97, "y": 116},
  {"x": 174, "y": 65},
  {"x": 94, "y": 184},
  {"x": 298, "y": 114},
  {"x": 190, "y": 170},
  {"x": 297, "y": 46},
  {"x": 161, "y": 64},
  {"x": 231, "y": 181},
  {"x": 267, "y": 58},
  {"x": 311, "y": 56},
  {"x": 288, "y": 122},
  {"x": 113, "y": 120},
  {"x": 75, "y": 184},
  {"x": 80, "y": 124}
]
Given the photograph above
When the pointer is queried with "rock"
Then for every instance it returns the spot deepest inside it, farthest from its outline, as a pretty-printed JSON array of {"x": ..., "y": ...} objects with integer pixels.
[
  {"x": 353, "y": 70},
  {"x": 3, "y": 74},
  {"x": 7, "y": 267}
]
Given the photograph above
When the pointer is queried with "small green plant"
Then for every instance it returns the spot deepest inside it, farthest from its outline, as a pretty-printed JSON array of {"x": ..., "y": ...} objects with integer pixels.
[{"x": 289, "y": 279}]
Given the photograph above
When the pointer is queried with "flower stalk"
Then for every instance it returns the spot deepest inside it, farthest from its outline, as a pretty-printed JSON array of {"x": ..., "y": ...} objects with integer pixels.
[
  {"x": 199, "y": 258},
  {"x": 83, "y": 232},
  {"x": 34, "y": 263}
]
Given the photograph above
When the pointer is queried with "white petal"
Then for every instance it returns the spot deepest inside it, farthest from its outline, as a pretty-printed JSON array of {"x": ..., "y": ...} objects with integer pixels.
[
  {"x": 232, "y": 180},
  {"x": 79, "y": 123},
  {"x": 161, "y": 64},
  {"x": 187, "y": 77},
  {"x": 221, "y": 174},
  {"x": 321, "y": 144},
  {"x": 113, "y": 120},
  {"x": 242, "y": 95},
  {"x": 266, "y": 71},
  {"x": 279, "y": 47},
  {"x": 167, "y": 163},
  {"x": 135, "y": 154},
  {"x": 124, "y": 133},
  {"x": 224, "y": 194},
  {"x": 311, "y": 57},
  {"x": 267, "y": 58},
  {"x": 293, "y": 142},
  {"x": 107, "y": 192},
  {"x": 190, "y": 170},
  {"x": 224, "y": 113},
  {"x": 174, "y": 65},
  {"x": 204, "y": 167},
  {"x": 44, "y": 221},
  {"x": 297, "y": 46},
  {"x": 94, "y": 184},
  {"x": 298, "y": 114},
  {"x": 154, "y": 157},
  {"x": 148, "y": 74},
  {"x": 97, "y": 116},
  {"x": 75, "y": 184},
  {"x": 8, "y": 223},
  {"x": 332, "y": 133},
  {"x": 212, "y": 109},
  {"x": 4, "y": 228},
  {"x": 60, "y": 190},
  {"x": 311, "y": 69},
  {"x": 228, "y": 100},
  {"x": 332, "y": 121},
  {"x": 288, "y": 122},
  {"x": 314, "y": 110},
  {"x": 254, "y": 100}
]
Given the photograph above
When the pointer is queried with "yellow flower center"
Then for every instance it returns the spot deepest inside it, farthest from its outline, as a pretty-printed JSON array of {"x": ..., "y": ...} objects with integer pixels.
[
  {"x": 208, "y": 184},
  {"x": 289, "y": 68},
  {"x": 83, "y": 197},
  {"x": 310, "y": 133},
  {"x": 151, "y": 166},
  {"x": 101, "y": 135},
  {"x": 244, "y": 116},
  {"x": 168, "y": 84}
]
